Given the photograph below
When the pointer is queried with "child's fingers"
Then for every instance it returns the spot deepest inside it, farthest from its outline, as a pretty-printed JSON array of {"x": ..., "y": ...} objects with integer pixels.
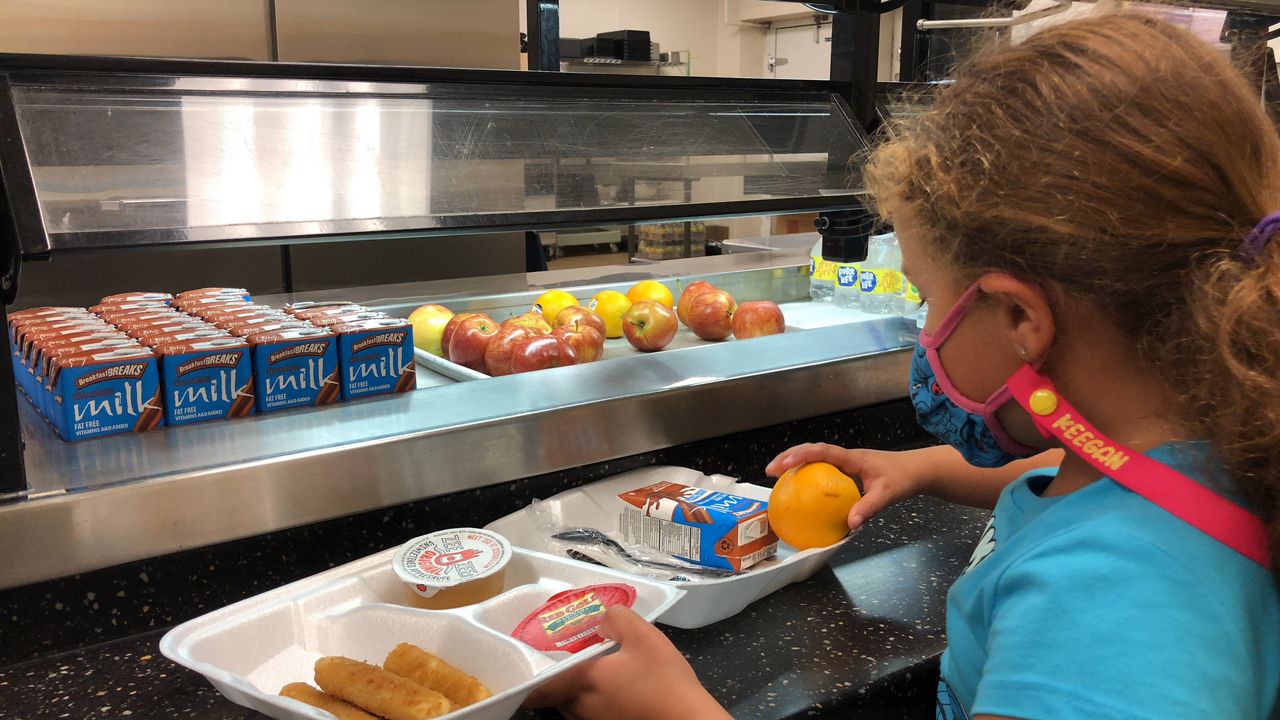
[
  {"x": 866, "y": 508},
  {"x": 558, "y": 690},
  {"x": 622, "y": 623},
  {"x": 815, "y": 452}
]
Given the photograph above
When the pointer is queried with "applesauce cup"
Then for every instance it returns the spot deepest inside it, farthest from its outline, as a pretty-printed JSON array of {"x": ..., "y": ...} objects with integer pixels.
[{"x": 452, "y": 568}]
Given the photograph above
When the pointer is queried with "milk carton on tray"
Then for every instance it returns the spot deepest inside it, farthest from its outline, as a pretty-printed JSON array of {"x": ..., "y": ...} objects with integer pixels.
[{"x": 703, "y": 526}]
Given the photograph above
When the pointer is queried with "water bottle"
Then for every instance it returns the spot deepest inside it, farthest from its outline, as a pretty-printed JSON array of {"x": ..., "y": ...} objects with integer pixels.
[
  {"x": 912, "y": 308},
  {"x": 846, "y": 290},
  {"x": 910, "y": 299},
  {"x": 880, "y": 277},
  {"x": 822, "y": 275}
]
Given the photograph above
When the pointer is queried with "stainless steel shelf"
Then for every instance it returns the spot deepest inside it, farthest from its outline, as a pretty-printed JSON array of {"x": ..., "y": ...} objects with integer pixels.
[{"x": 123, "y": 498}]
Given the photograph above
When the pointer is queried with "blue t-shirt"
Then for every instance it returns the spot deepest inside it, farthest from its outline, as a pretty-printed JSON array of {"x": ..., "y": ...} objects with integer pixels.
[{"x": 1098, "y": 604}]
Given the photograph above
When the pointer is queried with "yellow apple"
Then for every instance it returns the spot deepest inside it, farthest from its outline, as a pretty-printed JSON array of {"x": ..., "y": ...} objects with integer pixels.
[{"x": 428, "y": 327}]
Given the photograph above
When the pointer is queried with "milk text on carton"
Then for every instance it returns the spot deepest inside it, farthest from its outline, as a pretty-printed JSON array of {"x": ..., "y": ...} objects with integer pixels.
[
  {"x": 309, "y": 374},
  {"x": 295, "y": 368},
  {"x": 126, "y": 400},
  {"x": 220, "y": 387}
]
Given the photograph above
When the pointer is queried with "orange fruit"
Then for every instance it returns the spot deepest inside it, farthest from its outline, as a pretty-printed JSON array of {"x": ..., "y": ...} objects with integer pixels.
[
  {"x": 551, "y": 302},
  {"x": 610, "y": 305},
  {"x": 651, "y": 290},
  {"x": 809, "y": 505}
]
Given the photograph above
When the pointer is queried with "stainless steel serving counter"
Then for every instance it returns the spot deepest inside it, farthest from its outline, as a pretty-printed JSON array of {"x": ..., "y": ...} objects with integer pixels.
[{"x": 123, "y": 498}]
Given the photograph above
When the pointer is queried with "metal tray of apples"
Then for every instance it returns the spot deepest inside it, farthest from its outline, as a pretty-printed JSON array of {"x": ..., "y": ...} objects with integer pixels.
[{"x": 612, "y": 348}]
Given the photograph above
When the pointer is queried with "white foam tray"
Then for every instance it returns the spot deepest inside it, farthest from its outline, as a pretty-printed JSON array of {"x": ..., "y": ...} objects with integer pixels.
[
  {"x": 251, "y": 649},
  {"x": 705, "y": 601}
]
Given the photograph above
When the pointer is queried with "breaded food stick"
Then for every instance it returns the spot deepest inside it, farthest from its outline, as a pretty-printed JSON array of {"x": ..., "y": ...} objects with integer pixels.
[
  {"x": 420, "y": 666},
  {"x": 303, "y": 692},
  {"x": 378, "y": 691}
]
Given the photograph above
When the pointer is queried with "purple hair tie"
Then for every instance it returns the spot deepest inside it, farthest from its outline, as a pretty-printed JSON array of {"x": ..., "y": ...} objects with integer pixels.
[{"x": 1258, "y": 238}]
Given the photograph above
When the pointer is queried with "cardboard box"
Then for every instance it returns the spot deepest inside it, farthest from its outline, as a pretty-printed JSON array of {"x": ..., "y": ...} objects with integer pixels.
[
  {"x": 703, "y": 526},
  {"x": 98, "y": 393},
  {"x": 207, "y": 379},
  {"x": 295, "y": 368},
  {"x": 375, "y": 357}
]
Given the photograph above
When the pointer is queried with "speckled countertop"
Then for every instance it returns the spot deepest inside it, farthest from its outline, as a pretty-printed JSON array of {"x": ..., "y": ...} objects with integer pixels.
[{"x": 864, "y": 633}]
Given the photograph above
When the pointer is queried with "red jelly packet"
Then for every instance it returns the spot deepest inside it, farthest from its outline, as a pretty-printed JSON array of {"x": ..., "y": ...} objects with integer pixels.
[{"x": 568, "y": 620}]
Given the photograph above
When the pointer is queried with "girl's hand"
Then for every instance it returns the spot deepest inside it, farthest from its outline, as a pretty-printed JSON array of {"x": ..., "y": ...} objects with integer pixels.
[
  {"x": 645, "y": 679},
  {"x": 885, "y": 477}
]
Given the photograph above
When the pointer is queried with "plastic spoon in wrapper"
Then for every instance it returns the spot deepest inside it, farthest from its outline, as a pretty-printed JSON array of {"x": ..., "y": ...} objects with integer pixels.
[
  {"x": 583, "y": 557},
  {"x": 592, "y": 536}
]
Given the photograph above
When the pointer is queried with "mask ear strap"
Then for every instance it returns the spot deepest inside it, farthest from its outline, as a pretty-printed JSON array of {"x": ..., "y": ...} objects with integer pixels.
[
  {"x": 953, "y": 318},
  {"x": 1168, "y": 489}
]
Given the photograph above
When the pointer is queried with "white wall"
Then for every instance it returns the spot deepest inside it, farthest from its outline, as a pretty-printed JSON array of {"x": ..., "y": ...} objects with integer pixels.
[
  {"x": 451, "y": 33},
  {"x": 763, "y": 10},
  {"x": 441, "y": 33},
  {"x": 235, "y": 29},
  {"x": 718, "y": 41}
]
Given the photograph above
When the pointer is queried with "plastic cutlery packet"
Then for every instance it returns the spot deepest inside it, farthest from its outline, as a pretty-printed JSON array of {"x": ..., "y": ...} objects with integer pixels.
[
  {"x": 628, "y": 557},
  {"x": 360, "y": 640}
]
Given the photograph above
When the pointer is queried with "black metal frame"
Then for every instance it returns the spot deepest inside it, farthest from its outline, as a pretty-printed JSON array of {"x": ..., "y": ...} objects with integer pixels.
[
  {"x": 156, "y": 69},
  {"x": 19, "y": 217},
  {"x": 543, "y": 21},
  {"x": 855, "y": 43}
]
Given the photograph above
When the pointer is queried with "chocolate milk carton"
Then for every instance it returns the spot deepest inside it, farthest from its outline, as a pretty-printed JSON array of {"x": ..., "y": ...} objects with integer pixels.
[
  {"x": 375, "y": 357},
  {"x": 703, "y": 526},
  {"x": 206, "y": 379},
  {"x": 97, "y": 393},
  {"x": 295, "y": 368}
]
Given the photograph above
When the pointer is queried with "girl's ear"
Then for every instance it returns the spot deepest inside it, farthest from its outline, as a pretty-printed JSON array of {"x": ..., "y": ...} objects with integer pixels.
[{"x": 1024, "y": 315}]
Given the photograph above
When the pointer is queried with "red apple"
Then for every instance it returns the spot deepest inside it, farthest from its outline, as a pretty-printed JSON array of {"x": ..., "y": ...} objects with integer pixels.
[
  {"x": 711, "y": 315},
  {"x": 530, "y": 320},
  {"x": 470, "y": 340},
  {"x": 580, "y": 317},
  {"x": 497, "y": 355},
  {"x": 649, "y": 325},
  {"x": 758, "y": 318},
  {"x": 451, "y": 327},
  {"x": 686, "y": 298},
  {"x": 587, "y": 342},
  {"x": 542, "y": 352}
]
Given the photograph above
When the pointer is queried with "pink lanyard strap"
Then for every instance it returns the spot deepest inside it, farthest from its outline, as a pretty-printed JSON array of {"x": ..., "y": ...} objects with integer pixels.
[{"x": 1168, "y": 489}]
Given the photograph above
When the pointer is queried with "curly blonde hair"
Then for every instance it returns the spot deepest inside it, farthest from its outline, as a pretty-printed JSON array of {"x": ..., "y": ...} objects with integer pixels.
[{"x": 1124, "y": 160}]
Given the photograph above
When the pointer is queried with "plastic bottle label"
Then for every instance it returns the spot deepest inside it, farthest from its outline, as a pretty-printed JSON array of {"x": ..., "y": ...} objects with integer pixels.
[
  {"x": 847, "y": 275},
  {"x": 912, "y": 293},
  {"x": 884, "y": 281},
  {"x": 822, "y": 270}
]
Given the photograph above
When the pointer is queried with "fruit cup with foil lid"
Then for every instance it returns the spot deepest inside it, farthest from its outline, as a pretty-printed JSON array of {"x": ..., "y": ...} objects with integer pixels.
[
  {"x": 452, "y": 568},
  {"x": 569, "y": 621}
]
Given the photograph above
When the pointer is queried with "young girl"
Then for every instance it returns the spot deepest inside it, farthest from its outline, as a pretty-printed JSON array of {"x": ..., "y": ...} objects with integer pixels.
[{"x": 1089, "y": 214}]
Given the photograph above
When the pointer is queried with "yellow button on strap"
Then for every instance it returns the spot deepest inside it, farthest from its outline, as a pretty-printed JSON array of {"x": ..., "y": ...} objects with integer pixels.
[{"x": 1043, "y": 402}]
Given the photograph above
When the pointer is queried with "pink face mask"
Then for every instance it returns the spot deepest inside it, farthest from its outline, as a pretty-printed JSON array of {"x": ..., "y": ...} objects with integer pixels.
[
  {"x": 985, "y": 410},
  {"x": 960, "y": 421}
]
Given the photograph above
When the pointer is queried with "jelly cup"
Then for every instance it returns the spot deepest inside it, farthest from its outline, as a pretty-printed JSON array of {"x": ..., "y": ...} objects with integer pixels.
[{"x": 452, "y": 568}]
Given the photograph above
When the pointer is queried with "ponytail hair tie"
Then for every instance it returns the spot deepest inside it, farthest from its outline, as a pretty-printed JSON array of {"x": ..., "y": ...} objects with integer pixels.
[{"x": 1258, "y": 238}]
